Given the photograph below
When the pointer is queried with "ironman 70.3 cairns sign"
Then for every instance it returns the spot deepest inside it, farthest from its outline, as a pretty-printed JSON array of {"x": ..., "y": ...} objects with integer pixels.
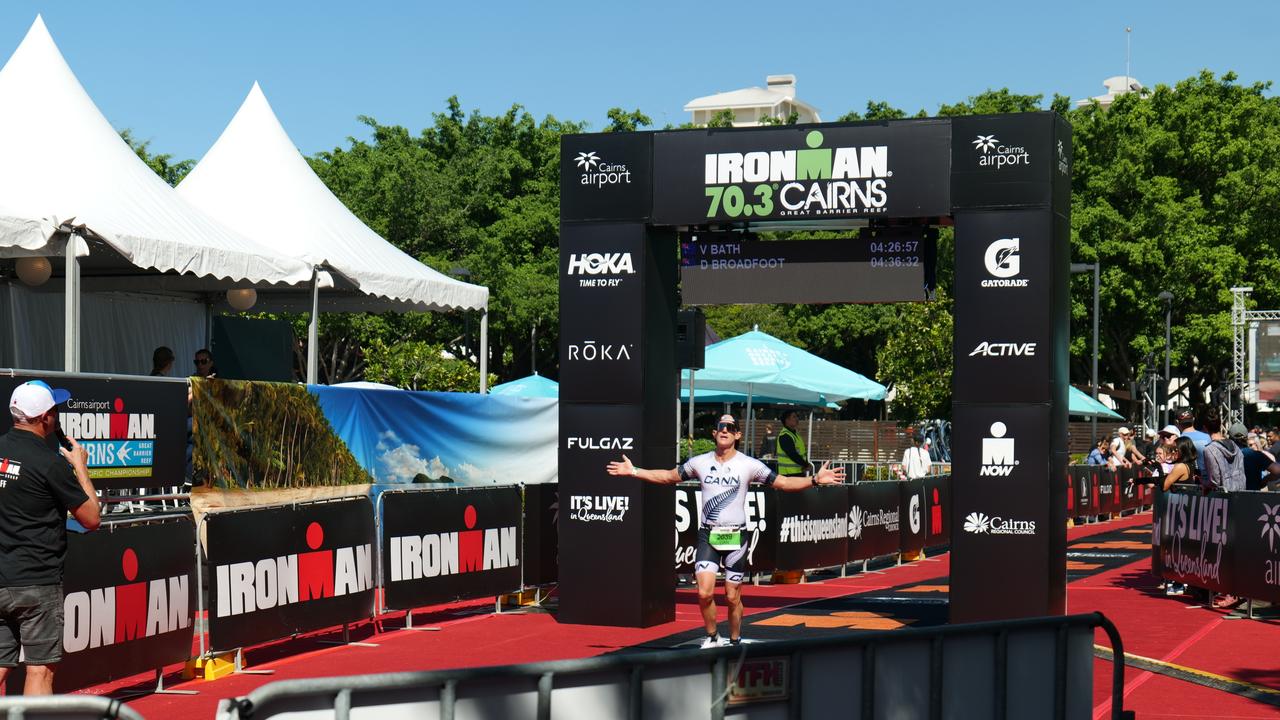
[{"x": 797, "y": 173}]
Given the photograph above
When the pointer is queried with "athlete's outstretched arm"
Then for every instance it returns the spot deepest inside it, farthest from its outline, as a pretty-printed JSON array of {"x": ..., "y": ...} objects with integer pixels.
[
  {"x": 661, "y": 477},
  {"x": 824, "y": 476}
]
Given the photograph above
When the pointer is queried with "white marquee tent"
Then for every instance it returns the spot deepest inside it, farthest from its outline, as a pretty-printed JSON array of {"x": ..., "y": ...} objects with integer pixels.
[
  {"x": 70, "y": 188},
  {"x": 255, "y": 181}
]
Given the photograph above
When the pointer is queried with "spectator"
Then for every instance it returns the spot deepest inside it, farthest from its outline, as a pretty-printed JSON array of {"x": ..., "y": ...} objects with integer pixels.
[
  {"x": 1223, "y": 461},
  {"x": 1133, "y": 453},
  {"x": 1257, "y": 464},
  {"x": 1183, "y": 473},
  {"x": 1273, "y": 438},
  {"x": 161, "y": 361},
  {"x": 1119, "y": 448},
  {"x": 1098, "y": 455},
  {"x": 792, "y": 461},
  {"x": 1147, "y": 443},
  {"x": 915, "y": 459},
  {"x": 204, "y": 364},
  {"x": 1190, "y": 423},
  {"x": 1166, "y": 448},
  {"x": 769, "y": 445}
]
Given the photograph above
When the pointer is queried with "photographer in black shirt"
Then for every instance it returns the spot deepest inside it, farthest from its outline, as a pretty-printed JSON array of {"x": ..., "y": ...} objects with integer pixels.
[{"x": 38, "y": 487}]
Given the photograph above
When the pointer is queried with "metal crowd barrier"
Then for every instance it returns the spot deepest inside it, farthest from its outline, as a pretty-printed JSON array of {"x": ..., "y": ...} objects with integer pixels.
[
  {"x": 66, "y": 707},
  {"x": 1036, "y": 667}
]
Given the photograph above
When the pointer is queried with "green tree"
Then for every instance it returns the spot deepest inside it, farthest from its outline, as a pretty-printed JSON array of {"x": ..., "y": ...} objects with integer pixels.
[
  {"x": 916, "y": 363},
  {"x": 622, "y": 121},
  {"x": 162, "y": 164},
  {"x": 1177, "y": 189}
]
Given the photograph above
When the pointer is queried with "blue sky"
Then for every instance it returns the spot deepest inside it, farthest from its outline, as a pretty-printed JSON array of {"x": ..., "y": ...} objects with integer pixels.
[{"x": 174, "y": 72}]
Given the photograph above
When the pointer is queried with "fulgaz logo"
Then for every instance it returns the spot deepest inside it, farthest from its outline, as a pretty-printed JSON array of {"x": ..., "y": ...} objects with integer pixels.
[
  {"x": 414, "y": 557},
  {"x": 600, "y": 443},
  {"x": 810, "y": 182}
]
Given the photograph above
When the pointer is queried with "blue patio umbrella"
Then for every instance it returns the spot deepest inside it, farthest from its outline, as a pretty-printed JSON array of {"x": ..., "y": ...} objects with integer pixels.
[
  {"x": 1081, "y": 404},
  {"x": 532, "y": 386},
  {"x": 757, "y": 364}
]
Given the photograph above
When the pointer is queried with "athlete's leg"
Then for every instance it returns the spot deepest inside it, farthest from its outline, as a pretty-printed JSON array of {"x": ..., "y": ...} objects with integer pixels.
[
  {"x": 734, "y": 566},
  {"x": 707, "y": 599}
]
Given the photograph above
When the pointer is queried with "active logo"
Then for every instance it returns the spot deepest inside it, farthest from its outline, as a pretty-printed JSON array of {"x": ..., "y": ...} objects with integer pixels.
[
  {"x": 1004, "y": 349},
  {"x": 473, "y": 549},
  {"x": 246, "y": 587},
  {"x": 997, "y": 155},
  {"x": 592, "y": 351},
  {"x": 979, "y": 523},
  {"x": 599, "y": 508},
  {"x": 598, "y": 173},
  {"x": 805, "y": 182},
  {"x": 1003, "y": 264},
  {"x": 997, "y": 453},
  {"x": 129, "y": 611}
]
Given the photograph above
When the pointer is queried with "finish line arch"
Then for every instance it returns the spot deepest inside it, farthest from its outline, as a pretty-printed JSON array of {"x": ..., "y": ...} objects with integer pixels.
[{"x": 1003, "y": 181}]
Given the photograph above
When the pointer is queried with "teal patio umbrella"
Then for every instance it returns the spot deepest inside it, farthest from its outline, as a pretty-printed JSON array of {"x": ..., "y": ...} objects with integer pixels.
[
  {"x": 533, "y": 386},
  {"x": 1082, "y": 405},
  {"x": 757, "y": 364}
]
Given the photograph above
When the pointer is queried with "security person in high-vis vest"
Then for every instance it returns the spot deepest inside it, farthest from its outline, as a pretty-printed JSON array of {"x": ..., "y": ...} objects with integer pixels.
[{"x": 792, "y": 460}]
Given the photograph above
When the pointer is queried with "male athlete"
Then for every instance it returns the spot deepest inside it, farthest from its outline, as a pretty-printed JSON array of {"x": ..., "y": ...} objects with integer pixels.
[{"x": 725, "y": 474}]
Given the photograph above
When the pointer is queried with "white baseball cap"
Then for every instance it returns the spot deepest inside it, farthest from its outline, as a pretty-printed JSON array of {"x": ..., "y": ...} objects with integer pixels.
[{"x": 35, "y": 398}]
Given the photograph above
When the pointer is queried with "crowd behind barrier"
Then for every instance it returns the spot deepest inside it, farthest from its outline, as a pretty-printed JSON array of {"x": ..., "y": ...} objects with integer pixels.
[
  {"x": 1094, "y": 490},
  {"x": 1032, "y": 668}
]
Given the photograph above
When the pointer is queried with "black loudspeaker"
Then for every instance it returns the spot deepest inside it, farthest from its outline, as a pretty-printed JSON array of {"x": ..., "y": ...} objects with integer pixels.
[{"x": 691, "y": 334}]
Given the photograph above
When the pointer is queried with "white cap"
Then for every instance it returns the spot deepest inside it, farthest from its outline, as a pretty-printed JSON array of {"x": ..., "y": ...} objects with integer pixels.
[
  {"x": 726, "y": 418},
  {"x": 36, "y": 398},
  {"x": 1171, "y": 430},
  {"x": 1123, "y": 431}
]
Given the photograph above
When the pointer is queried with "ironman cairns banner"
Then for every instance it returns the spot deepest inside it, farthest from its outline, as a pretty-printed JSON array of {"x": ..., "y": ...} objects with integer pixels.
[{"x": 135, "y": 431}]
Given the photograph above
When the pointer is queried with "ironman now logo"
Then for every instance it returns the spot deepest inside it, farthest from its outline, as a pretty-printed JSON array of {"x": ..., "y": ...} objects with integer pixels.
[
  {"x": 1003, "y": 264},
  {"x": 804, "y": 182},
  {"x": 997, "y": 453}
]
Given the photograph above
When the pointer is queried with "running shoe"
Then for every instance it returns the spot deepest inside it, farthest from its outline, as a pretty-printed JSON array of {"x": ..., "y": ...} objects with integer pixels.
[{"x": 713, "y": 641}]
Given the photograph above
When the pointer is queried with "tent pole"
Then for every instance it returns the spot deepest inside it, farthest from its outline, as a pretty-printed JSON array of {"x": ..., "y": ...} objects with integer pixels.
[
  {"x": 71, "y": 310},
  {"x": 691, "y": 397},
  {"x": 313, "y": 330},
  {"x": 484, "y": 349},
  {"x": 808, "y": 444},
  {"x": 751, "y": 426}
]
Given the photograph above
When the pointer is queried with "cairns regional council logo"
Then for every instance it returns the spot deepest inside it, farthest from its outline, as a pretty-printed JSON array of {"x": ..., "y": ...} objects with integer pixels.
[
  {"x": 998, "y": 155},
  {"x": 813, "y": 181},
  {"x": 597, "y": 172},
  {"x": 980, "y": 523}
]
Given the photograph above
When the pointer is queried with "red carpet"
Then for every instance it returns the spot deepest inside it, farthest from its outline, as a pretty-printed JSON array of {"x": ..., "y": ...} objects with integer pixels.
[{"x": 472, "y": 635}]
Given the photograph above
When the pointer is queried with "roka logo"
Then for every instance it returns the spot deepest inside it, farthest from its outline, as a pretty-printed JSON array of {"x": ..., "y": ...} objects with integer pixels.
[
  {"x": 130, "y": 611},
  {"x": 591, "y": 351},
  {"x": 414, "y": 557}
]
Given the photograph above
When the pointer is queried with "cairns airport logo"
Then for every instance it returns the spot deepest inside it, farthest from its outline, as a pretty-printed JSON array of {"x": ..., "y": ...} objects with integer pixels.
[
  {"x": 805, "y": 182},
  {"x": 600, "y": 173},
  {"x": 998, "y": 155}
]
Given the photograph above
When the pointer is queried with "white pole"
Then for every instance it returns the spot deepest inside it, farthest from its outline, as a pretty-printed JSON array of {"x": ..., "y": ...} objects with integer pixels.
[
  {"x": 751, "y": 389},
  {"x": 313, "y": 330},
  {"x": 808, "y": 444},
  {"x": 71, "y": 310},
  {"x": 691, "y": 398},
  {"x": 484, "y": 349}
]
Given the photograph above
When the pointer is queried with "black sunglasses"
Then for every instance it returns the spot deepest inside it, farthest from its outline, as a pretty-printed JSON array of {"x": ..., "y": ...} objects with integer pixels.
[
  {"x": 731, "y": 427},
  {"x": 202, "y": 361}
]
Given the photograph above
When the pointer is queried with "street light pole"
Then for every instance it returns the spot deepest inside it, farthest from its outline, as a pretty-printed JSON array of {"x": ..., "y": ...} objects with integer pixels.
[
  {"x": 1079, "y": 268},
  {"x": 1167, "y": 298}
]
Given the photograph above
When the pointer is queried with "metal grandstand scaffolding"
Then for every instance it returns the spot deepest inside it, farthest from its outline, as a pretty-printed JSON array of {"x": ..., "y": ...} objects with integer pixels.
[{"x": 1244, "y": 323}]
